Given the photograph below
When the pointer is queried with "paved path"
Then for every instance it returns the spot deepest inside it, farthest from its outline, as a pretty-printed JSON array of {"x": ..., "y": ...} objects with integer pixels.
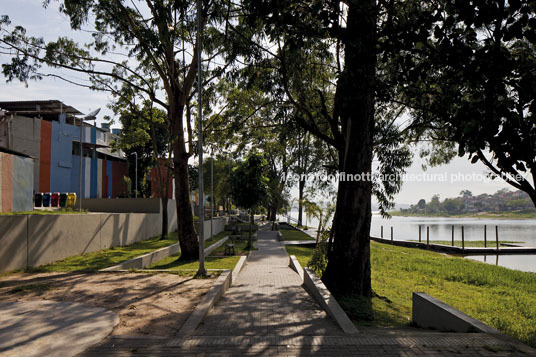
[
  {"x": 51, "y": 328},
  {"x": 267, "y": 312}
]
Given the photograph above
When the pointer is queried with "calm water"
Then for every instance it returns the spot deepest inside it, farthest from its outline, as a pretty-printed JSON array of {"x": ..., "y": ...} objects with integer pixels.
[{"x": 407, "y": 228}]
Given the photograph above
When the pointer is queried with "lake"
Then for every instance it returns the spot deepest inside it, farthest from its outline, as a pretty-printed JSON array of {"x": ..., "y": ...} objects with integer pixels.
[{"x": 407, "y": 228}]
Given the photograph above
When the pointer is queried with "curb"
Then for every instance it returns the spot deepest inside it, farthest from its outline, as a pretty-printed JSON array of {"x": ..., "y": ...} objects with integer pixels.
[
  {"x": 201, "y": 310},
  {"x": 238, "y": 267},
  {"x": 215, "y": 246},
  {"x": 146, "y": 260},
  {"x": 295, "y": 265},
  {"x": 322, "y": 295}
]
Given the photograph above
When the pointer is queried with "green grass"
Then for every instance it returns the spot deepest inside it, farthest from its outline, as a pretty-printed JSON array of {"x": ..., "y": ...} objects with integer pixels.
[
  {"x": 469, "y": 243},
  {"x": 292, "y": 234},
  {"x": 211, "y": 262},
  {"x": 303, "y": 254},
  {"x": 217, "y": 238},
  {"x": 525, "y": 214},
  {"x": 106, "y": 258},
  {"x": 217, "y": 259},
  {"x": 239, "y": 246},
  {"x": 502, "y": 298},
  {"x": 44, "y": 212}
]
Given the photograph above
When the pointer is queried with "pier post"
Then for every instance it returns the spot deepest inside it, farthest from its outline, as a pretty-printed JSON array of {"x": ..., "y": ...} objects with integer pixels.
[
  {"x": 463, "y": 240},
  {"x": 419, "y": 233},
  {"x": 452, "y": 235},
  {"x": 381, "y": 232},
  {"x": 485, "y": 237},
  {"x": 497, "y": 236},
  {"x": 391, "y": 232},
  {"x": 427, "y": 235}
]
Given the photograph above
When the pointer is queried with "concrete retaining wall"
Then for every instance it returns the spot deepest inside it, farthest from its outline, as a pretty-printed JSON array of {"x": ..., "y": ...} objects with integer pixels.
[
  {"x": 34, "y": 240},
  {"x": 218, "y": 226},
  {"x": 429, "y": 312},
  {"x": 318, "y": 290}
]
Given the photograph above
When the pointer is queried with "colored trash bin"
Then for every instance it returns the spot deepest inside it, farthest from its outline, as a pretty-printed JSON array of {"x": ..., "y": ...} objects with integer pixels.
[
  {"x": 46, "y": 199},
  {"x": 63, "y": 199},
  {"x": 54, "y": 199},
  {"x": 38, "y": 202},
  {"x": 71, "y": 200}
]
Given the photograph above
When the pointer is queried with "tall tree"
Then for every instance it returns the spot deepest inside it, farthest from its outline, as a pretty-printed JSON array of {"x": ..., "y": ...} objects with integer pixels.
[
  {"x": 158, "y": 62},
  {"x": 249, "y": 186},
  {"x": 471, "y": 81}
]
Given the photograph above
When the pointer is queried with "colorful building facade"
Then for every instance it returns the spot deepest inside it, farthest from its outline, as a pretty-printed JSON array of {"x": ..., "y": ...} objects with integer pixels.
[
  {"x": 16, "y": 181},
  {"x": 49, "y": 132}
]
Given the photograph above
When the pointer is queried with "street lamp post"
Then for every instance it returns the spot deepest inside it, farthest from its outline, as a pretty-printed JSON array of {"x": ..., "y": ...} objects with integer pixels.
[
  {"x": 136, "y": 175},
  {"x": 212, "y": 196},
  {"x": 202, "y": 271},
  {"x": 90, "y": 116}
]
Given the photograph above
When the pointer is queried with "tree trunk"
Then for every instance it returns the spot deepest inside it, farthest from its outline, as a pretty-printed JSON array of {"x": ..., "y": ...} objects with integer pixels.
[
  {"x": 348, "y": 269},
  {"x": 165, "y": 230},
  {"x": 251, "y": 219},
  {"x": 188, "y": 240},
  {"x": 273, "y": 209},
  {"x": 301, "y": 187}
]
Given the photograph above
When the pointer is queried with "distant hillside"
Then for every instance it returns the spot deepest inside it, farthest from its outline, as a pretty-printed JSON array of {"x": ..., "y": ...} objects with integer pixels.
[{"x": 501, "y": 201}]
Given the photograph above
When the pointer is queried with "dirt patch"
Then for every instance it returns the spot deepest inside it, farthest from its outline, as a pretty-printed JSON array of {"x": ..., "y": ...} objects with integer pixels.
[{"x": 155, "y": 304}]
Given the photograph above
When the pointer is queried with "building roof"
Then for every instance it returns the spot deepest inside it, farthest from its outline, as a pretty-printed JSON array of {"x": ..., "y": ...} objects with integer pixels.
[
  {"x": 13, "y": 152},
  {"x": 36, "y": 107}
]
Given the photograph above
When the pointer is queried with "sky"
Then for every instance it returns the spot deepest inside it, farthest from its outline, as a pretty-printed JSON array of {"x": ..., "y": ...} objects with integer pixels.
[{"x": 50, "y": 24}]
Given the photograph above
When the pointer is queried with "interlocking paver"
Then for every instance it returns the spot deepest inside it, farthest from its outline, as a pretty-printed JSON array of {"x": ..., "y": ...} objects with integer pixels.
[
  {"x": 267, "y": 299},
  {"x": 268, "y": 313}
]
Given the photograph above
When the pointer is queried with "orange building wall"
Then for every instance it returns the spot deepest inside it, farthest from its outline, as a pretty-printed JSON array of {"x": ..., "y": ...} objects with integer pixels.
[{"x": 44, "y": 161}]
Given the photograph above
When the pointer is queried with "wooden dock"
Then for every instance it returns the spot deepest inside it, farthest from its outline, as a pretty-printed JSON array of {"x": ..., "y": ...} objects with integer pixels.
[{"x": 505, "y": 250}]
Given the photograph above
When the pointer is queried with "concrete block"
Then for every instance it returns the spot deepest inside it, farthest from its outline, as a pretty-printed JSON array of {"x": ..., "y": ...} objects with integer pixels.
[
  {"x": 146, "y": 260},
  {"x": 296, "y": 266},
  {"x": 238, "y": 267},
  {"x": 13, "y": 243},
  {"x": 327, "y": 301},
  {"x": 221, "y": 284},
  {"x": 429, "y": 312},
  {"x": 215, "y": 246},
  {"x": 55, "y": 237}
]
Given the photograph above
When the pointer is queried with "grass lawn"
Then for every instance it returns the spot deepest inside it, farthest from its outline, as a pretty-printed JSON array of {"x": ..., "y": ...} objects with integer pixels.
[
  {"x": 106, "y": 258},
  {"x": 211, "y": 262},
  {"x": 303, "y": 254},
  {"x": 217, "y": 238},
  {"x": 293, "y": 234},
  {"x": 216, "y": 260},
  {"x": 502, "y": 298},
  {"x": 469, "y": 243},
  {"x": 239, "y": 246}
]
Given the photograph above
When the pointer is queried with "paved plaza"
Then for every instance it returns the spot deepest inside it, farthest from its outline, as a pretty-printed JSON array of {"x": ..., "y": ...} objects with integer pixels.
[{"x": 268, "y": 312}]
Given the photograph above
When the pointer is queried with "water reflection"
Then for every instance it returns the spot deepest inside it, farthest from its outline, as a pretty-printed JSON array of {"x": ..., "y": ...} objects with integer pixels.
[{"x": 517, "y": 262}]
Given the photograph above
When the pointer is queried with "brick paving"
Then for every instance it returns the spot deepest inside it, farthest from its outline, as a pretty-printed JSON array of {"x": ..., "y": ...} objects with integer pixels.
[{"x": 267, "y": 313}]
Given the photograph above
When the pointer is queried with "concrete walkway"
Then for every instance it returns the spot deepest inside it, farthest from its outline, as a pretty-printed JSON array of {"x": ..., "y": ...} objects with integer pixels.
[
  {"x": 267, "y": 312},
  {"x": 52, "y": 328}
]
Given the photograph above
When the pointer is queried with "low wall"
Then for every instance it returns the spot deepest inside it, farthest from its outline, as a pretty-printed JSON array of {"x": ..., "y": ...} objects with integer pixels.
[
  {"x": 132, "y": 205},
  {"x": 34, "y": 240},
  {"x": 429, "y": 312},
  {"x": 218, "y": 226}
]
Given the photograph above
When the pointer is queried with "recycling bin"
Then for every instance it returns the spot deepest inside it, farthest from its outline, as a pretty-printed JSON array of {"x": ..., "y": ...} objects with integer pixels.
[
  {"x": 54, "y": 199},
  {"x": 46, "y": 199},
  {"x": 71, "y": 200},
  {"x": 63, "y": 200},
  {"x": 38, "y": 201}
]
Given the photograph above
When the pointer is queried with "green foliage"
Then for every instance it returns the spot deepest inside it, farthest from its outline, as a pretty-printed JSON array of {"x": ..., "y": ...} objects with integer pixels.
[
  {"x": 249, "y": 183},
  {"x": 319, "y": 260},
  {"x": 503, "y": 298},
  {"x": 469, "y": 81}
]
